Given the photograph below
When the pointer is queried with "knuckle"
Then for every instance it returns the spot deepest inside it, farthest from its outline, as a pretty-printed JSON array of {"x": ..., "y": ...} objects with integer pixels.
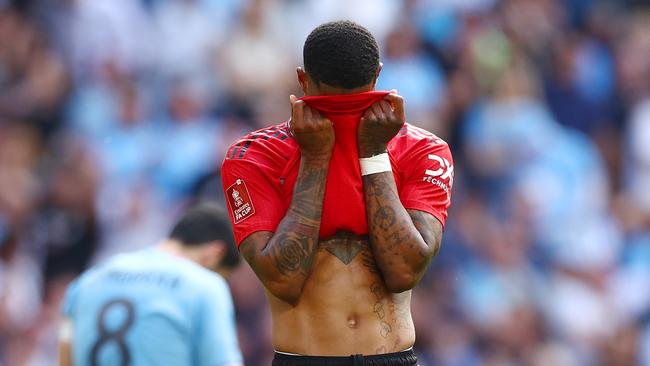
[
  {"x": 310, "y": 127},
  {"x": 299, "y": 127}
]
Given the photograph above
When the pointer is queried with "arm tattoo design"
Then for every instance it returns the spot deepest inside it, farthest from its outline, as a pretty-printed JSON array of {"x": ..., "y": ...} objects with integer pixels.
[
  {"x": 403, "y": 242},
  {"x": 294, "y": 247},
  {"x": 295, "y": 253},
  {"x": 288, "y": 254},
  {"x": 385, "y": 217}
]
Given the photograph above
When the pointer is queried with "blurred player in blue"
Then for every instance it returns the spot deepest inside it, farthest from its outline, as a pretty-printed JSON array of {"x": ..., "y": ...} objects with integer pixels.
[{"x": 163, "y": 305}]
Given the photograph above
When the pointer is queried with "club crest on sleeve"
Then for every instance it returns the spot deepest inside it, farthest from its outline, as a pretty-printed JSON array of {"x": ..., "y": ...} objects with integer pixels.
[{"x": 239, "y": 201}]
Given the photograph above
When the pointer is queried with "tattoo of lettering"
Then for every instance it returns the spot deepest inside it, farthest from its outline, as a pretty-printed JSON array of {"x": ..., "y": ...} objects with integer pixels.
[
  {"x": 345, "y": 247},
  {"x": 384, "y": 327},
  {"x": 379, "y": 310}
]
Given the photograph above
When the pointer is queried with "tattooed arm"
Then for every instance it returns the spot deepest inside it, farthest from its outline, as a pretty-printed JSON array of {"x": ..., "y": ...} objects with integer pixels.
[
  {"x": 403, "y": 242},
  {"x": 282, "y": 260}
]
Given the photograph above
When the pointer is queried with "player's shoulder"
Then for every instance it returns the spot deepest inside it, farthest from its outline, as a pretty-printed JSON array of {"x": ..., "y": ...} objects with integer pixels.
[
  {"x": 192, "y": 276},
  {"x": 270, "y": 142},
  {"x": 90, "y": 275},
  {"x": 200, "y": 279},
  {"x": 411, "y": 137},
  {"x": 88, "y": 279},
  {"x": 206, "y": 286}
]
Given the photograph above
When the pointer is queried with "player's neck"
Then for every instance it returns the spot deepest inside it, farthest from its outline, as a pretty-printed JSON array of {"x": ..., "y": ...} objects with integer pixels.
[
  {"x": 200, "y": 255},
  {"x": 175, "y": 248}
]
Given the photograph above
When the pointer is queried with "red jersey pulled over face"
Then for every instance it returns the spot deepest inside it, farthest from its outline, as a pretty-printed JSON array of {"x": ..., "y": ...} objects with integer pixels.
[{"x": 260, "y": 170}]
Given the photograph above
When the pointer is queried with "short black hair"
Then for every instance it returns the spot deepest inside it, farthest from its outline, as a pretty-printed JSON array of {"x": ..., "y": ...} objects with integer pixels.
[
  {"x": 205, "y": 223},
  {"x": 341, "y": 54}
]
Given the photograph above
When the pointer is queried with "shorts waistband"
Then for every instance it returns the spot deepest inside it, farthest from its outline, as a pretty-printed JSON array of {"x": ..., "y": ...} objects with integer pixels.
[
  {"x": 405, "y": 357},
  {"x": 410, "y": 349}
]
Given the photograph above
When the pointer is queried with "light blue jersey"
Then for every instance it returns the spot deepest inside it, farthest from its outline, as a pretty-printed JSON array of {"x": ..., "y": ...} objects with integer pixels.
[{"x": 151, "y": 308}]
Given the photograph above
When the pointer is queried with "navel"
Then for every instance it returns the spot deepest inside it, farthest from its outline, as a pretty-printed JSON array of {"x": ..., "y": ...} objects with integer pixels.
[{"x": 353, "y": 321}]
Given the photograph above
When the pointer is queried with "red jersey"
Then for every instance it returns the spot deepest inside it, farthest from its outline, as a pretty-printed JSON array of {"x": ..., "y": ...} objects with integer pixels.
[{"x": 260, "y": 170}]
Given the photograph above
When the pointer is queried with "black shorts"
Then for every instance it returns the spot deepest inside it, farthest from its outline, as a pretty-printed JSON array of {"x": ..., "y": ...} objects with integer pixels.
[{"x": 404, "y": 358}]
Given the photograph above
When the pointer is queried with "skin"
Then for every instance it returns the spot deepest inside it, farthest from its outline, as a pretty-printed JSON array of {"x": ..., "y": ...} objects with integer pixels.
[
  {"x": 65, "y": 351},
  {"x": 346, "y": 294}
]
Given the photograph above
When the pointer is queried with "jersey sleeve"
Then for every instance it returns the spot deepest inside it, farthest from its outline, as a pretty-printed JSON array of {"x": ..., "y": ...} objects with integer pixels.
[
  {"x": 253, "y": 197},
  {"x": 217, "y": 333},
  {"x": 428, "y": 175}
]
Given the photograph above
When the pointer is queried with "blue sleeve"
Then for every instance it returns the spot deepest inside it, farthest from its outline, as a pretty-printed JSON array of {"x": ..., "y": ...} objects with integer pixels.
[
  {"x": 217, "y": 333},
  {"x": 67, "y": 306}
]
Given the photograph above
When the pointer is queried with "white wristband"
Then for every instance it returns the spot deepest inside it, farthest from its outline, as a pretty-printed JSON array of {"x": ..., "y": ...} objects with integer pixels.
[
  {"x": 375, "y": 164},
  {"x": 65, "y": 330}
]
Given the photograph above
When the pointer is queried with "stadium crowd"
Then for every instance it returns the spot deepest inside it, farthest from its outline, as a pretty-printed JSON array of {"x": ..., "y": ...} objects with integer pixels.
[{"x": 114, "y": 115}]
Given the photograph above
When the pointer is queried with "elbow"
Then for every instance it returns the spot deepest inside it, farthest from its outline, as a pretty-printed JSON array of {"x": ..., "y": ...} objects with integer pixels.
[
  {"x": 285, "y": 291},
  {"x": 400, "y": 282}
]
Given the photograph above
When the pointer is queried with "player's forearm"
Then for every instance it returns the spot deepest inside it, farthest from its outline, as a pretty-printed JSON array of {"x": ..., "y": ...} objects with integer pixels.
[
  {"x": 64, "y": 355},
  {"x": 285, "y": 262},
  {"x": 293, "y": 246},
  {"x": 65, "y": 345},
  {"x": 400, "y": 251}
]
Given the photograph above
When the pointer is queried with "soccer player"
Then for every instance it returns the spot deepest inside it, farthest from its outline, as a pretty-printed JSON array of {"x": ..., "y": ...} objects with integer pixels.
[
  {"x": 340, "y": 210},
  {"x": 158, "y": 306}
]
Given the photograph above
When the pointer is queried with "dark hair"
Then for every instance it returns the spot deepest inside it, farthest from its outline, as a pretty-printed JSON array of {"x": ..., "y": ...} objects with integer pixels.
[
  {"x": 341, "y": 54},
  {"x": 204, "y": 223}
]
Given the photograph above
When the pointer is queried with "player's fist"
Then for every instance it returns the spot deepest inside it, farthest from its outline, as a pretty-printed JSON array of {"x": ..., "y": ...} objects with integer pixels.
[
  {"x": 379, "y": 124},
  {"x": 313, "y": 131}
]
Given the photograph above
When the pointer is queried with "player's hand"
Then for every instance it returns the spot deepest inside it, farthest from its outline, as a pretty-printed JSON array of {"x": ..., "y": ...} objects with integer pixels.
[
  {"x": 379, "y": 124},
  {"x": 313, "y": 131}
]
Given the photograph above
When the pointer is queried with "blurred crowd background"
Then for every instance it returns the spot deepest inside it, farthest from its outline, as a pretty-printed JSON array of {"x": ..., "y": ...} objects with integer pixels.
[{"x": 115, "y": 114}]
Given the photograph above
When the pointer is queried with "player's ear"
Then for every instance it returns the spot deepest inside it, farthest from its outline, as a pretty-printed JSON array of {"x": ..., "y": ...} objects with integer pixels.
[
  {"x": 303, "y": 79},
  {"x": 374, "y": 82}
]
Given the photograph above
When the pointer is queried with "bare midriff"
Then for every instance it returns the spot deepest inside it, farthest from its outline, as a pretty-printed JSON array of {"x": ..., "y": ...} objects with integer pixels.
[{"x": 344, "y": 307}]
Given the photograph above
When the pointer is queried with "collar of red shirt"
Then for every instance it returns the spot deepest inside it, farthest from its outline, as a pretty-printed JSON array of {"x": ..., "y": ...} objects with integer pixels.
[
  {"x": 345, "y": 111},
  {"x": 344, "y": 104}
]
